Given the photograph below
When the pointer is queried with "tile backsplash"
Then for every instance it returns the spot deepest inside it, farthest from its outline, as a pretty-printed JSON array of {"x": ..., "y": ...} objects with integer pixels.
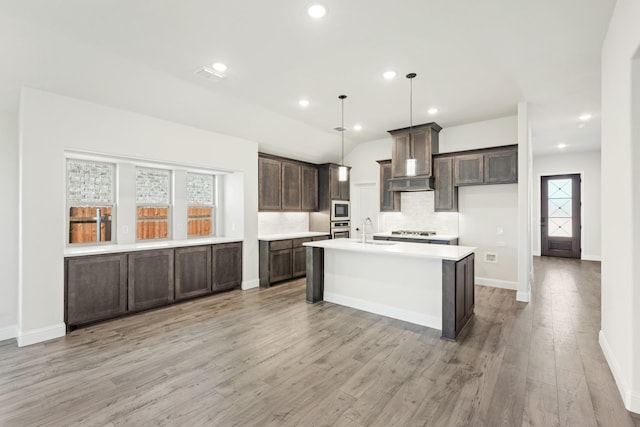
[
  {"x": 282, "y": 222},
  {"x": 417, "y": 214}
]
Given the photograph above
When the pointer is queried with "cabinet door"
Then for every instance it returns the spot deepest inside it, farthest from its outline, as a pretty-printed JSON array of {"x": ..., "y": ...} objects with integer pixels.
[
  {"x": 345, "y": 187},
  {"x": 501, "y": 167},
  {"x": 291, "y": 195},
  {"x": 400, "y": 154},
  {"x": 309, "y": 189},
  {"x": 389, "y": 200},
  {"x": 339, "y": 190},
  {"x": 421, "y": 146},
  {"x": 446, "y": 194},
  {"x": 227, "y": 266},
  {"x": 470, "y": 289},
  {"x": 150, "y": 279},
  {"x": 193, "y": 271},
  {"x": 299, "y": 262},
  {"x": 280, "y": 265},
  {"x": 468, "y": 169},
  {"x": 269, "y": 184},
  {"x": 96, "y": 288},
  {"x": 461, "y": 279}
]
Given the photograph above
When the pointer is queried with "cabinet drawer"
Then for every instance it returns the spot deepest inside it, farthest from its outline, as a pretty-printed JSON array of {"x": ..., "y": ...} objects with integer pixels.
[
  {"x": 278, "y": 245},
  {"x": 318, "y": 238},
  {"x": 297, "y": 243}
]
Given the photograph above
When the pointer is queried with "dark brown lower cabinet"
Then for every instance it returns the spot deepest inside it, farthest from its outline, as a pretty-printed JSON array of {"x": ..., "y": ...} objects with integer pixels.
[
  {"x": 227, "y": 266},
  {"x": 96, "y": 288},
  {"x": 299, "y": 257},
  {"x": 150, "y": 279},
  {"x": 193, "y": 271},
  {"x": 283, "y": 259},
  {"x": 458, "y": 295}
]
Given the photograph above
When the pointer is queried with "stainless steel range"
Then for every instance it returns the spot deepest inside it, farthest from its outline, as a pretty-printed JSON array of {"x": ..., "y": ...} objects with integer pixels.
[{"x": 413, "y": 233}]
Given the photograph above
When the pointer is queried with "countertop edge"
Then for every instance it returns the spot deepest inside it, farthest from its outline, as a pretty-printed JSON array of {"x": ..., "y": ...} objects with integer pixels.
[
  {"x": 136, "y": 247},
  {"x": 287, "y": 236}
]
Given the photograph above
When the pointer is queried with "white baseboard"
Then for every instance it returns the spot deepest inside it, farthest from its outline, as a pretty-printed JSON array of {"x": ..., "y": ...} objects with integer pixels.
[
  {"x": 250, "y": 284},
  {"x": 591, "y": 257},
  {"x": 495, "y": 283},
  {"x": 8, "y": 332},
  {"x": 384, "y": 310},
  {"x": 535, "y": 253},
  {"x": 42, "y": 334},
  {"x": 523, "y": 296},
  {"x": 630, "y": 398}
]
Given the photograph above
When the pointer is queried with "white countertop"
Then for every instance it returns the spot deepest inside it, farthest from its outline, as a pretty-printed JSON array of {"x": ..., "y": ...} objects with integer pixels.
[
  {"x": 419, "y": 250},
  {"x": 287, "y": 236},
  {"x": 163, "y": 244},
  {"x": 448, "y": 237}
]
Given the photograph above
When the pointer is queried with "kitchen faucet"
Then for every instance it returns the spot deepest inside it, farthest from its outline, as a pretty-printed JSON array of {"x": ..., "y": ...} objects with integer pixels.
[{"x": 366, "y": 221}]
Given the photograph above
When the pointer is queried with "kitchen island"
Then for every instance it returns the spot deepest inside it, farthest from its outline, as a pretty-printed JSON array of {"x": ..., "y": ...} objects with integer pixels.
[{"x": 425, "y": 284}]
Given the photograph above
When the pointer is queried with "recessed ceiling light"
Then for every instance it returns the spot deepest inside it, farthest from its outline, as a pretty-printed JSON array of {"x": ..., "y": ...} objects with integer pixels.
[
  {"x": 317, "y": 11},
  {"x": 432, "y": 111},
  {"x": 585, "y": 117},
  {"x": 303, "y": 103},
  {"x": 219, "y": 66},
  {"x": 389, "y": 75},
  {"x": 357, "y": 127},
  {"x": 562, "y": 146}
]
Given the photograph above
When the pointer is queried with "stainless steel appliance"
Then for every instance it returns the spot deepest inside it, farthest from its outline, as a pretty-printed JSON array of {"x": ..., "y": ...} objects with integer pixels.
[
  {"x": 340, "y": 229},
  {"x": 340, "y": 210},
  {"x": 413, "y": 233}
]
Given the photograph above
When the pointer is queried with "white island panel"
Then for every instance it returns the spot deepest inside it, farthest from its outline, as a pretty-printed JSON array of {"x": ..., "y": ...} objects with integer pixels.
[{"x": 404, "y": 288}]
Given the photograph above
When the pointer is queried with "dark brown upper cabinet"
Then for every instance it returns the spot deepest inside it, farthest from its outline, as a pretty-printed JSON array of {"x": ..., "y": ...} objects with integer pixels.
[
  {"x": 498, "y": 165},
  {"x": 420, "y": 143},
  {"x": 339, "y": 190},
  {"x": 389, "y": 200},
  {"x": 286, "y": 185},
  {"x": 446, "y": 194},
  {"x": 269, "y": 184}
]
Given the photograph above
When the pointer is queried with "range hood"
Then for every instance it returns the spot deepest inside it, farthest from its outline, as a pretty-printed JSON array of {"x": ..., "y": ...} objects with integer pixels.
[{"x": 414, "y": 183}]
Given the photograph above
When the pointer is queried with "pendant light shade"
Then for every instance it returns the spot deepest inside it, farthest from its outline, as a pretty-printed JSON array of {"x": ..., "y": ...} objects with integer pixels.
[
  {"x": 342, "y": 170},
  {"x": 411, "y": 162}
]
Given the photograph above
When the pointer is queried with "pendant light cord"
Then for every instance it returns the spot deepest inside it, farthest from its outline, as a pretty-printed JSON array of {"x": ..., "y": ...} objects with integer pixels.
[
  {"x": 342, "y": 98},
  {"x": 410, "y": 76}
]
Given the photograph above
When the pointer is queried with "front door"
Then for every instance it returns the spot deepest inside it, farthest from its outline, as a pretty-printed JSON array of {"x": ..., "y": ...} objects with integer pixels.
[{"x": 560, "y": 216}]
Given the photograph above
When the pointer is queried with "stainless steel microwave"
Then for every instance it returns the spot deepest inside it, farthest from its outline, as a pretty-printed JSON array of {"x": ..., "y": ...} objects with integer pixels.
[{"x": 340, "y": 210}]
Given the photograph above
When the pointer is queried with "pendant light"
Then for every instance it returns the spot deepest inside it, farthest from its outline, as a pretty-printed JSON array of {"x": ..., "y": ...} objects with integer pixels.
[
  {"x": 342, "y": 170},
  {"x": 411, "y": 162}
]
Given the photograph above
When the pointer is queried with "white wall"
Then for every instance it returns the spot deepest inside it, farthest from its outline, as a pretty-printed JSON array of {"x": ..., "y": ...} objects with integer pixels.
[
  {"x": 49, "y": 124},
  {"x": 480, "y": 207},
  {"x": 8, "y": 226},
  {"x": 587, "y": 164},
  {"x": 620, "y": 328}
]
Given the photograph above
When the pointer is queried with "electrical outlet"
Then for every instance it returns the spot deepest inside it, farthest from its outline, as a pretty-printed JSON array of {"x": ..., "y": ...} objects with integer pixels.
[{"x": 491, "y": 257}]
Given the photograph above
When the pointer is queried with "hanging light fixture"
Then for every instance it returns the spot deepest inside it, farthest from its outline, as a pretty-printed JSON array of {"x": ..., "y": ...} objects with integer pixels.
[
  {"x": 342, "y": 170},
  {"x": 411, "y": 162}
]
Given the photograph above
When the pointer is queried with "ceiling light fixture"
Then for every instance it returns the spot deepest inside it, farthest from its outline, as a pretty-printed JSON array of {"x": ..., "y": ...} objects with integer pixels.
[
  {"x": 357, "y": 127},
  {"x": 220, "y": 67},
  {"x": 317, "y": 11},
  {"x": 562, "y": 146},
  {"x": 585, "y": 117},
  {"x": 303, "y": 103},
  {"x": 432, "y": 111},
  {"x": 411, "y": 162},
  {"x": 342, "y": 170},
  {"x": 389, "y": 75}
]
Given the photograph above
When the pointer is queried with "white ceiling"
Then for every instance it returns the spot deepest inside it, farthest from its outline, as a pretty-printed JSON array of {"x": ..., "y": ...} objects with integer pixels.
[{"x": 475, "y": 60}]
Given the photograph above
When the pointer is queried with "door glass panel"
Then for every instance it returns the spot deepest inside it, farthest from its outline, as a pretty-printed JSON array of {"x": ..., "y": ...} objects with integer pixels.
[{"x": 560, "y": 215}]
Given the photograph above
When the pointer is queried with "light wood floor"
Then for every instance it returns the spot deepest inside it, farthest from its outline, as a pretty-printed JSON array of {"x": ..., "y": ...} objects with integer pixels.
[{"x": 264, "y": 357}]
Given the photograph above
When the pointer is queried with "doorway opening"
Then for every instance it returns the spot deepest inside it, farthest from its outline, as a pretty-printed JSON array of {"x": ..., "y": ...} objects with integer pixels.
[{"x": 560, "y": 221}]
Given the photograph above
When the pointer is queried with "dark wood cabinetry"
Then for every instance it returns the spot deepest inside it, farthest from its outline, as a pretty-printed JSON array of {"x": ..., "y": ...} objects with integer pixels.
[
  {"x": 227, "y": 266},
  {"x": 420, "y": 143},
  {"x": 193, "y": 271},
  {"x": 283, "y": 259},
  {"x": 102, "y": 287},
  {"x": 488, "y": 166},
  {"x": 309, "y": 188},
  {"x": 339, "y": 190},
  {"x": 150, "y": 279},
  {"x": 458, "y": 295},
  {"x": 446, "y": 193},
  {"x": 96, "y": 288},
  {"x": 286, "y": 185},
  {"x": 269, "y": 184},
  {"x": 389, "y": 200}
]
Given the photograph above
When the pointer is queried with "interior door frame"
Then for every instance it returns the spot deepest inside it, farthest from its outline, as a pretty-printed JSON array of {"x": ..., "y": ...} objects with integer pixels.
[{"x": 576, "y": 251}]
